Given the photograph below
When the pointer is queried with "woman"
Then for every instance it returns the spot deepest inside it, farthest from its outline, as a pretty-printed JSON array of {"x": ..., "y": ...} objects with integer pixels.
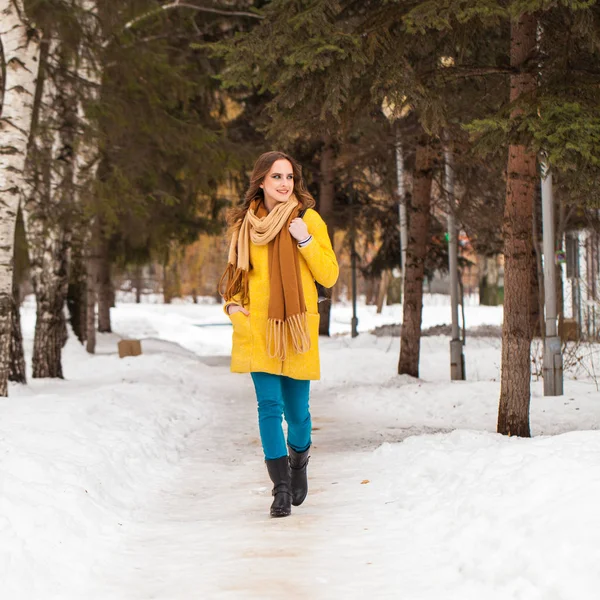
[{"x": 279, "y": 247}]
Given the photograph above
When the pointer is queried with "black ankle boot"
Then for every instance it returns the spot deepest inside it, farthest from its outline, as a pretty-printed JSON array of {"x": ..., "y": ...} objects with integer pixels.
[
  {"x": 298, "y": 463},
  {"x": 279, "y": 472}
]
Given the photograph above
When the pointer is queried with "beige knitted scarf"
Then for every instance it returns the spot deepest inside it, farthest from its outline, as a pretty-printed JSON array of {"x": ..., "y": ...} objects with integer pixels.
[{"x": 287, "y": 315}]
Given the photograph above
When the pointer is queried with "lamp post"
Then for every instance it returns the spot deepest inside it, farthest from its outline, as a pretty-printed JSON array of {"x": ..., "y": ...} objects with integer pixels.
[
  {"x": 457, "y": 358},
  {"x": 389, "y": 110},
  {"x": 553, "y": 364},
  {"x": 354, "y": 322}
]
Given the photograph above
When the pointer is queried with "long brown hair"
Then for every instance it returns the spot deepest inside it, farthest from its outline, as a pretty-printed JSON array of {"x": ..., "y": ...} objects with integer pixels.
[{"x": 262, "y": 166}]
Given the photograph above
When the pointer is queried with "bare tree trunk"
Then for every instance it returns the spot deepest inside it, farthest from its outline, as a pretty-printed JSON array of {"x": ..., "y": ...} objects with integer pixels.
[
  {"x": 76, "y": 294},
  {"x": 513, "y": 412},
  {"x": 90, "y": 343},
  {"x": 489, "y": 291},
  {"x": 383, "y": 287},
  {"x": 326, "y": 199},
  {"x": 20, "y": 52},
  {"x": 105, "y": 291},
  {"x": 93, "y": 283},
  {"x": 50, "y": 209},
  {"x": 50, "y": 279},
  {"x": 17, "y": 370},
  {"x": 139, "y": 283},
  {"x": 418, "y": 238}
]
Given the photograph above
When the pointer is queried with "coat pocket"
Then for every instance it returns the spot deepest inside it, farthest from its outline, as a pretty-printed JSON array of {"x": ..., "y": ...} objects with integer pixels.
[{"x": 242, "y": 336}]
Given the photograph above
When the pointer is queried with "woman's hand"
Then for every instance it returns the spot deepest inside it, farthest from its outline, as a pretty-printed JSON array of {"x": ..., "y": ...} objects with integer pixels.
[
  {"x": 233, "y": 308},
  {"x": 298, "y": 229}
]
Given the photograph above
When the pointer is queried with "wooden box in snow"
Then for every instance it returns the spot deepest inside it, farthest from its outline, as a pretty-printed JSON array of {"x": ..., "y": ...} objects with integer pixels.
[{"x": 129, "y": 348}]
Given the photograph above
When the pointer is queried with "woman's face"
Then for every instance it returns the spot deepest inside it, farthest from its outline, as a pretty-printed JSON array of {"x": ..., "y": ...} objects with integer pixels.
[{"x": 278, "y": 183}]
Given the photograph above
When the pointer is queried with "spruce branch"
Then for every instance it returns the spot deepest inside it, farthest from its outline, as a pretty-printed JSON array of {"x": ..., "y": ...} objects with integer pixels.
[{"x": 179, "y": 4}]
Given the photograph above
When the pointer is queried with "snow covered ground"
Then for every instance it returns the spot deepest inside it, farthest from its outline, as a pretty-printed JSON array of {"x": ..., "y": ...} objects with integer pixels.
[{"x": 142, "y": 477}]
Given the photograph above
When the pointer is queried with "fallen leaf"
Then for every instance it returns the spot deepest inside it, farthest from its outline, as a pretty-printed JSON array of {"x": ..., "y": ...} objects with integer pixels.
[{"x": 364, "y": 481}]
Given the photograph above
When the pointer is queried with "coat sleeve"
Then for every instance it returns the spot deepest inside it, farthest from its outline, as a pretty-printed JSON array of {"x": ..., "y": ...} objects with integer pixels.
[{"x": 319, "y": 254}]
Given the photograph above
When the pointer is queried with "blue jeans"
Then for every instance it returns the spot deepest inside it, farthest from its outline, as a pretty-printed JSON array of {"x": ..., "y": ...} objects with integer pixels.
[{"x": 278, "y": 395}]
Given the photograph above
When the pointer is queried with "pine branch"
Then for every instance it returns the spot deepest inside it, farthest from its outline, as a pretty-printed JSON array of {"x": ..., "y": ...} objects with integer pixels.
[{"x": 179, "y": 4}]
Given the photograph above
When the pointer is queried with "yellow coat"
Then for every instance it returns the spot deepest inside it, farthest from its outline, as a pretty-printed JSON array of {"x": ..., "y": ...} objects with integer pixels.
[{"x": 249, "y": 346}]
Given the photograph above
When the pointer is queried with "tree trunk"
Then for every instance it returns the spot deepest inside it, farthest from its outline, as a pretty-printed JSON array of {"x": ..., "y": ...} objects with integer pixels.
[
  {"x": 489, "y": 292},
  {"x": 105, "y": 291},
  {"x": 76, "y": 294},
  {"x": 383, "y": 288},
  {"x": 138, "y": 282},
  {"x": 92, "y": 278},
  {"x": 513, "y": 412},
  {"x": 326, "y": 199},
  {"x": 17, "y": 371},
  {"x": 49, "y": 209},
  {"x": 93, "y": 267},
  {"x": 418, "y": 237},
  {"x": 50, "y": 275},
  {"x": 20, "y": 49}
]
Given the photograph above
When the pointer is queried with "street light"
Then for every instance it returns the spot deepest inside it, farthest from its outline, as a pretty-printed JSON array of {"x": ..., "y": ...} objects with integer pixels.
[
  {"x": 388, "y": 107},
  {"x": 553, "y": 363},
  {"x": 353, "y": 256},
  {"x": 457, "y": 358}
]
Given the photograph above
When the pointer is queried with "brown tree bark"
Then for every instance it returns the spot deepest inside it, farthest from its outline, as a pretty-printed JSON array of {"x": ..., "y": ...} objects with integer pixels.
[
  {"x": 49, "y": 208},
  {"x": 76, "y": 294},
  {"x": 513, "y": 412},
  {"x": 383, "y": 288},
  {"x": 50, "y": 293},
  {"x": 90, "y": 310},
  {"x": 138, "y": 282},
  {"x": 418, "y": 237},
  {"x": 105, "y": 291},
  {"x": 92, "y": 282},
  {"x": 326, "y": 199},
  {"x": 17, "y": 372},
  {"x": 5, "y": 336}
]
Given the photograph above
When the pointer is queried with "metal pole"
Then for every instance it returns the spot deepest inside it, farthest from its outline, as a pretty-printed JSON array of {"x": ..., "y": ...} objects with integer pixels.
[
  {"x": 553, "y": 364},
  {"x": 354, "y": 324},
  {"x": 456, "y": 346},
  {"x": 401, "y": 207}
]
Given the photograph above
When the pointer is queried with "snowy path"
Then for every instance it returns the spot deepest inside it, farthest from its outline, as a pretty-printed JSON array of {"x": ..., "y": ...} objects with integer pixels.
[
  {"x": 142, "y": 478},
  {"x": 207, "y": 534}
]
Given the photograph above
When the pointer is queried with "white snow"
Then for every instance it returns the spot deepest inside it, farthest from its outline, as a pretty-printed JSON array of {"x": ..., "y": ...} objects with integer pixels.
[{"x": 143, "y": 477}]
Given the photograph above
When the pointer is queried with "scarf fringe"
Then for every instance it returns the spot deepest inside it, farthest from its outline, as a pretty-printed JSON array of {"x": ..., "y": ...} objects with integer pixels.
[{"x": 296, "y": 327}]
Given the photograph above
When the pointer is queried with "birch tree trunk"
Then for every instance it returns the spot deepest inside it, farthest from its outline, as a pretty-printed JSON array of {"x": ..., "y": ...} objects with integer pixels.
[
  {"x": 93, "y": 280},
  {"x": 87, "y": 160},
  {"x": 63, "y": 169},
  {"x": 49, "y": 208},
  {"x": 418, "y": 238},
  {"x": 17, "y": 370},
  {"x": 513, "y": 411},
  {"x": 76, "y": 293},
  {"x": 21, "y": 48}
]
